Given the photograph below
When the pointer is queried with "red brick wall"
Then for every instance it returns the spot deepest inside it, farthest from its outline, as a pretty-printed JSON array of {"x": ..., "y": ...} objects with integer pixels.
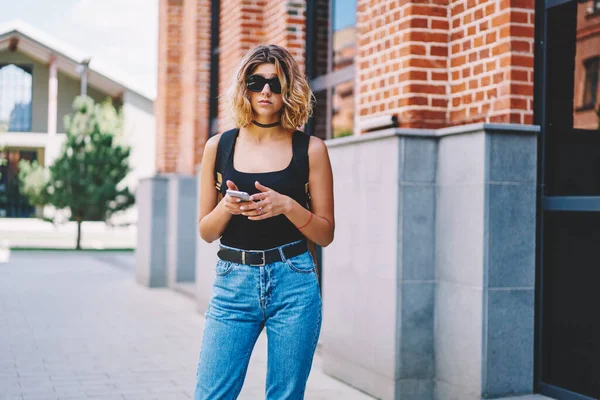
[
  {"x": 168, "y": 99},
  {"x": 195, "y": 72},
  {"x": 491, "y": 61},
  {"x": 433, "y": 63},
  {"x": 202, "y": 123},
  {"x": 402, "y": 61},
  {"x": 285, "y": 25},
  {"x": 241, "y": 30},
  {"x": 436, "y": 63}
]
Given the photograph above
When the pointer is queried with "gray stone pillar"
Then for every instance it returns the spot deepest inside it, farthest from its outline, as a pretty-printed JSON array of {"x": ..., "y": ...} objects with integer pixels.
[
  {"x": 485, "y": 261},
  {"x": 151, "y": 248},
  {"x": 378, "y": 280},
  {"x": 428, "y": 287},
  {"x": 206, "y": 259},
  {"x": 181, "y": 229}
]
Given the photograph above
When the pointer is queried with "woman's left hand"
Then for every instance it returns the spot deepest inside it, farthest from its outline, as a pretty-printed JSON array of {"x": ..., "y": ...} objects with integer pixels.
[{"x": 270, "y": 204}]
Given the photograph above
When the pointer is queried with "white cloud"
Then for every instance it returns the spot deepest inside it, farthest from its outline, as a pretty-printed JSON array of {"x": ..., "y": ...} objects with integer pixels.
[
  {"x": 137, "y": 17},
  {"x": 123, "y": 34}
]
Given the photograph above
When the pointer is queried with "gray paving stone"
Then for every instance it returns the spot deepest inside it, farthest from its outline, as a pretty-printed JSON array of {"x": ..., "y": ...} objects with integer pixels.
[{"x": 73, "y": 326}]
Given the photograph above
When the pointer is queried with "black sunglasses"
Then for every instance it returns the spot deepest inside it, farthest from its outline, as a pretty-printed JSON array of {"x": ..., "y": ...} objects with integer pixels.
[{"x": 256, "y": 83}]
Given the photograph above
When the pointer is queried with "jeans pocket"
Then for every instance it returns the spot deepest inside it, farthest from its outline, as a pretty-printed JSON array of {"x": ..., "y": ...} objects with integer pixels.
[
  {"x": 302, "y": 263},
  {"x": 223, "y": 267}
]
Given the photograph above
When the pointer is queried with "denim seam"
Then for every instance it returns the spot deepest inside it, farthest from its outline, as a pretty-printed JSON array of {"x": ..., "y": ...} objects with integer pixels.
[
  {"x": 314, "y": 348},
  {"x": 227, "y": 271},
  {"x": 301, "y": 271},
  {"x": 260, "y": 305},
  {"x": 272, "y": 281},
  {"x": 281, "y": 254}
]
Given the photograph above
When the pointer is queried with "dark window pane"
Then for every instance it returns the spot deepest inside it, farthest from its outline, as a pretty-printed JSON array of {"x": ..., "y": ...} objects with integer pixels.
[
  {"x": 15, "y": 98},
  {"x": 322, "y": 36},
  {"x": 572, "y": 139},
  {"x": 591, "y": 83},
  {"x": 319, "y": 118},
  {"x": 3, "y": 183},
  {"x": 571, "y": 328},
  {"x": 12, "y": 203}
]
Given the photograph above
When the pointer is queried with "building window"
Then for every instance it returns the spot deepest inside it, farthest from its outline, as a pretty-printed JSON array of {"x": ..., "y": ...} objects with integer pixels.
[
  {"x": 590, "y": 89},
  {"x": 593, "y": 8},
  {"x": 331, "y": 50},
  {"x": 12, "y": 203},
  {"x": 16, "y": 88},
  {"x": 342, "y": 120},
  {"x": 344, "y": 34}
]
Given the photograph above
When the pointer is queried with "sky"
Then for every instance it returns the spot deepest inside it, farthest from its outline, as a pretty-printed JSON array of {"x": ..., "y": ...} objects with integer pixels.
[
  {"x": 121, "y": 34},
  {"x": 344, "y": 13}
]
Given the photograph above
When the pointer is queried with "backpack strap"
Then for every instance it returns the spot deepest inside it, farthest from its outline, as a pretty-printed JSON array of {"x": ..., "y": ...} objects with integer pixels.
[
  {"x": 300, "y": 141},
  {"x": 224, "y": 150}
]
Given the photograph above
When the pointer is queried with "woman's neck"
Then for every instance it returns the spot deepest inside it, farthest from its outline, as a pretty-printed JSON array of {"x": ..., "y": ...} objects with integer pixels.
[{"x": 257, "y": 134}]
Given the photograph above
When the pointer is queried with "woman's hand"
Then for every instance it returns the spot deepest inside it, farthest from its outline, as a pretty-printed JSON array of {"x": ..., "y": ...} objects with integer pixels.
[
  {"x": 269, "y": 204},
  {"x": 230, "y": 203}
]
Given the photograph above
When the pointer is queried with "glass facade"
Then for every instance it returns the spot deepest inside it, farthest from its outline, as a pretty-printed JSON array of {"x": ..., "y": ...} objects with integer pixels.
[
  {"x": 344, "y": 34},
  {"x": 331, "y": 44},
  {"x": 571, "y": 329},
  {"x": 568, "y": 360},
  {"x": 342, "y": 119},
  {"x": 16, "y": 88},
  {"x": 573, "y": 113}
]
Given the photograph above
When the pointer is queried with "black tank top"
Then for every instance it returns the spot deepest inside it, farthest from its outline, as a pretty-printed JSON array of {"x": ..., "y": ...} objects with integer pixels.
[{"x": 243, "y": 233}]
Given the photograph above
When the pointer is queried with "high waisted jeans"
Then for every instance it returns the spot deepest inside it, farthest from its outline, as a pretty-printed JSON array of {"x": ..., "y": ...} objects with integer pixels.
[{"x": 283, "y": 296}]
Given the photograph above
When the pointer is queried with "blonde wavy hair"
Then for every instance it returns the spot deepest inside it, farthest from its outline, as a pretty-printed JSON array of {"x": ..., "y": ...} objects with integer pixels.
[{"x": 297, "y": 97}]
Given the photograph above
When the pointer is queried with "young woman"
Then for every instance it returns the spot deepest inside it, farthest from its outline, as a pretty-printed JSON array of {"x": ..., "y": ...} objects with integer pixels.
[{"x": 266, "y": 275}]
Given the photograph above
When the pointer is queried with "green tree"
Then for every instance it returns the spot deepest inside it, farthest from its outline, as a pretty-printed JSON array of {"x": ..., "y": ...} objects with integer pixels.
[
  {"x": 33, "y": 182},
  {"x": 87, "y": 177}
]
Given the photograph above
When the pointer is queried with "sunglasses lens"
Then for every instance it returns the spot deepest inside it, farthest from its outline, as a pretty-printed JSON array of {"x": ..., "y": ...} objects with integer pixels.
[
  {"x": 275, "y": 86},
  {"x": 255, "y": 83}
]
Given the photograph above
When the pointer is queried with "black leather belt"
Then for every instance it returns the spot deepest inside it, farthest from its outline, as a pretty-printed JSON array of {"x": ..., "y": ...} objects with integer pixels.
[{"x": 260, "y": 258}]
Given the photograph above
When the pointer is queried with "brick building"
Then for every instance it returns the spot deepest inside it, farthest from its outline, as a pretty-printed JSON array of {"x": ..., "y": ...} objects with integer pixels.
[
  {"x": 474, "y": 130},
  {"x": 431, "y": 64}
]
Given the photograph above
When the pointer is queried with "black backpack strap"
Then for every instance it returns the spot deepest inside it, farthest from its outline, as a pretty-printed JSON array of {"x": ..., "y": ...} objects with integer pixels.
[
  {"x": 300, "y": 141},
  {"x": 224, "y": 150}
]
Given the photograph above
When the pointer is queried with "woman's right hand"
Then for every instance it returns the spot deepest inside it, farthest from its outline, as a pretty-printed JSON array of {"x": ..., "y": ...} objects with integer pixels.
[{"x": 232, "y": 204}]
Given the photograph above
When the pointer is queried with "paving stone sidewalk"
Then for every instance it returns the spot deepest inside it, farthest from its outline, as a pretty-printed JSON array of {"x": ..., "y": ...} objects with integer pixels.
[{"x": 77, "y": 326}]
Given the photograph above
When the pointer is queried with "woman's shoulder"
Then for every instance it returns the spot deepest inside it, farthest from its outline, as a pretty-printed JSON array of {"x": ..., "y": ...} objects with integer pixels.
[
  {"x": 213, "y": 142},
  {"x": 316, "y": 147},
  {"x": 212, "y": 145}
]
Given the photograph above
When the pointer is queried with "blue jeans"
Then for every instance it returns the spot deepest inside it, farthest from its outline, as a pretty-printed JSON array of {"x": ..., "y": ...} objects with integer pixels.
[{"x": 284, "y": 296}]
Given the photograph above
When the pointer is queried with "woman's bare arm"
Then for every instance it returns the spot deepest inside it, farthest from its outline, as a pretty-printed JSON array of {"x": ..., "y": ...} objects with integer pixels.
[{"x": 212, "y": 217}]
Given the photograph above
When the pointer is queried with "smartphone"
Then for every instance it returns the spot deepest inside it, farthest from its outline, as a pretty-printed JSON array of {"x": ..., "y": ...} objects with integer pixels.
[{"x": 241, "y": 195}]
